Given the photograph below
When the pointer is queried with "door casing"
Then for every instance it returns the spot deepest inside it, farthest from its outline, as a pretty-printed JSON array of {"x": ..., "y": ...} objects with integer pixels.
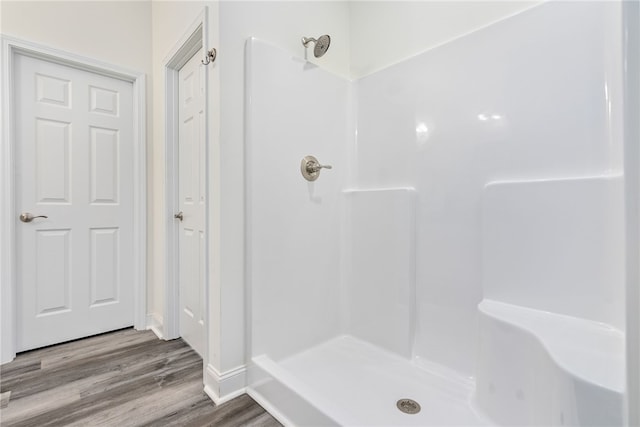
[
  {"x": 11, "y": 47},
  {"x": 194, "y": 38}
]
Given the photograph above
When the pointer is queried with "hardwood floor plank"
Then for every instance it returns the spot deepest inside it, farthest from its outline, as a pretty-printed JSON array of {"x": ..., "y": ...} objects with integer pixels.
[
  {"x": 237, "y": 412},
  {"x": 4, "y": 399},
  {"x": 114, "y": 338},
  {"x": 94, "y": 346},
  {"x": 125, "y": 378},
  {"x": 200, "y": 406},
  {"x": 19, "y": 368},
  {"x": 67, "y": 393},
  {"x": 241, "y": 411},
  {"x": 119, "y": 396},
  {"x": 263, "y": 420},
  {"x": 142, "y": 408},
  {"x": 115, "y": 360}
]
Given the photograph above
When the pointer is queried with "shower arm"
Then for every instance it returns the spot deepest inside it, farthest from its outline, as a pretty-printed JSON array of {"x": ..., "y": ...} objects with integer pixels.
[{"x": 307, "y": 40}]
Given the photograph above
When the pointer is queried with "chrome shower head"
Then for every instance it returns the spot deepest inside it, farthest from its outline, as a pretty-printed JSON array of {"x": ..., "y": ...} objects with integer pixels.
[{"x": 322, "y": 44}]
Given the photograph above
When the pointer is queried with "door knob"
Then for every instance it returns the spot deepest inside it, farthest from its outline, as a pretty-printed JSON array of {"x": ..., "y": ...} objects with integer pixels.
[
  {"x": 179, "y": 216},
  {"x": 27, "y": 217}
]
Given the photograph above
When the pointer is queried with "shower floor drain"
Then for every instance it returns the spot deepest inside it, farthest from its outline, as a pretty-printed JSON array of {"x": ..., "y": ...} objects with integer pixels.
[{"x": 408, "y": 406}]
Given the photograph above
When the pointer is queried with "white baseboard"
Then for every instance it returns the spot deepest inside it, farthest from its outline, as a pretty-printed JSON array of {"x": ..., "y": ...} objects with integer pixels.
[
  {"x": 154, "y": 322},
  {"x": 224, "y": 386}
]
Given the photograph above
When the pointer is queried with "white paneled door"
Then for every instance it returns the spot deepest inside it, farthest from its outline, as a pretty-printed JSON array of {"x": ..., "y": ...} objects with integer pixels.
[
  {"x": 74, "y": 160},
  {"x": 191, "y": 192}
]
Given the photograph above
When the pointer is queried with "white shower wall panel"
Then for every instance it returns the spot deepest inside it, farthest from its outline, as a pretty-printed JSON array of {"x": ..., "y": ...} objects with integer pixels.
[
  {"x": 379, "y": 270},
  {"x": 293, "y": 226},
  {"x": 556, "y": 245},
  {"x": 535, "y": 96}
]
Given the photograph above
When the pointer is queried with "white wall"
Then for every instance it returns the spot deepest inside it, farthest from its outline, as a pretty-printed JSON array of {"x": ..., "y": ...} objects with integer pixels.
[
  {"x": 114, "y": 32},
  {"x": 293, "y": 246},
  {"x": 281, "y": 23},
  {"x": 379, "y": 257},
  {"x": 520, "y": 100},
  {"x": 385, "y": 32}
]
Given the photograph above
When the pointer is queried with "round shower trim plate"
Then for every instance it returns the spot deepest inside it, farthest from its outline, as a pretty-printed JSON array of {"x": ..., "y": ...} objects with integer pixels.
[{"x": 408, "y": 406}]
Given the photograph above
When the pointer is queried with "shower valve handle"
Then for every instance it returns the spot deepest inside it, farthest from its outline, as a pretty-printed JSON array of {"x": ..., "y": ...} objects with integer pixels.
[
  {"x": 310, "y": 168},
  {"x": 315, "y": 167}
]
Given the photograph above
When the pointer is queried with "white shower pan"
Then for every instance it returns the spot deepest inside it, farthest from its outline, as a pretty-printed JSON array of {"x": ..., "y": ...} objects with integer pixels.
[{"x": 351, "y": 382}]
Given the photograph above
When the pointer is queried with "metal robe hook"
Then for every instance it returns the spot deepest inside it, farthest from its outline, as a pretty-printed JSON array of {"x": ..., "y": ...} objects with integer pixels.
[{"x": 211, "y": 56}]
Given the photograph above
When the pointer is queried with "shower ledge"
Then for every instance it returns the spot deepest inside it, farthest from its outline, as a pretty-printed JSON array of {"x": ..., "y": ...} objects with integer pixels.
[{"x": 537, "y": 367}]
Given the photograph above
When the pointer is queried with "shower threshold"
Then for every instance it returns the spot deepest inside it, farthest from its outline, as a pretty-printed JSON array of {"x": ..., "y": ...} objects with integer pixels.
[{"x": 346, "y": 381}]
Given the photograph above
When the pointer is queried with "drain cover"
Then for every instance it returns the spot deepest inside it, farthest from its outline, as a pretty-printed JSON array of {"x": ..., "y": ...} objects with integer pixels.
[{"x": 408, "y": 406}]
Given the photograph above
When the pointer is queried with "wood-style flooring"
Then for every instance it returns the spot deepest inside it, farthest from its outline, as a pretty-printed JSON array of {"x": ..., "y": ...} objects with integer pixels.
[{"x": 123, "y": 378}]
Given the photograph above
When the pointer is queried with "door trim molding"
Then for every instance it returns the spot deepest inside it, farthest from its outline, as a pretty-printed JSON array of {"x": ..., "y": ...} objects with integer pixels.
[
  {"x": 193, "y": 39},
  {"x": 11, "y": 47}
]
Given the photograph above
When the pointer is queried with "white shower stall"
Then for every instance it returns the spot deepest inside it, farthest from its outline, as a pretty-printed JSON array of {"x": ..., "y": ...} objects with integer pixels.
[{"x": 466, "y": 250}]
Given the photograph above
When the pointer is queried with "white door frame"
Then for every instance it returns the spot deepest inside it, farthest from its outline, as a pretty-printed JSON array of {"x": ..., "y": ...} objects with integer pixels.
[
  {"x": 193, "y": 40},
  {"x": 10, "y": 48}
]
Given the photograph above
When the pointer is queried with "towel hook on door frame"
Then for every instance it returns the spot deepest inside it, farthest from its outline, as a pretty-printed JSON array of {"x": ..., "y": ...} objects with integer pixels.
[{"x": 211, "y": 56}]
